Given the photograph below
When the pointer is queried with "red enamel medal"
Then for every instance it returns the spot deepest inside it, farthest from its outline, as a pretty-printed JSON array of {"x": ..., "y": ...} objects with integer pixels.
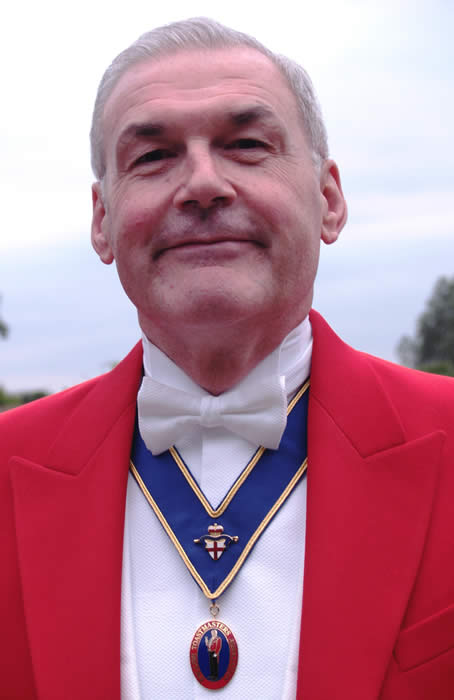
[{"x": 213, "y": 654}]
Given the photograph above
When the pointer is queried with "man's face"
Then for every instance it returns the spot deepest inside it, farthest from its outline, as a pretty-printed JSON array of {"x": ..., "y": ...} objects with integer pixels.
[{"x": 212, "y": 207}]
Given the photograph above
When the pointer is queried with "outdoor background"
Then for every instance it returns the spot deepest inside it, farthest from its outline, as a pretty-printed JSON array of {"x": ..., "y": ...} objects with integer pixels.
[{"x": 384, "y": 76}]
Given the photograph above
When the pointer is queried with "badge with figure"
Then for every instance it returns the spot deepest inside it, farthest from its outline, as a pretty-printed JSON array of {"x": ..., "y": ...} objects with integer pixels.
[{"x": 213, "y": 654}]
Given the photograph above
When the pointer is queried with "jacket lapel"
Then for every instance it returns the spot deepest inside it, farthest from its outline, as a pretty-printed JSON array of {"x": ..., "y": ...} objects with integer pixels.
[
  {"x": 69, "y": 524},
  {"x": 370, "y": 495}
]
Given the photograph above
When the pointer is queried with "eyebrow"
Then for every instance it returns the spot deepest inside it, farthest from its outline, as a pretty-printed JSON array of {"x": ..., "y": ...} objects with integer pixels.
[
  {"x": 251, "y": 115},
  {"x": 143, "y": 130}
]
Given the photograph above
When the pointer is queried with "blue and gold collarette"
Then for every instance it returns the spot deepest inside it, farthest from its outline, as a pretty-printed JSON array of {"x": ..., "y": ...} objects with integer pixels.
[{"x": 246, "y": 510}]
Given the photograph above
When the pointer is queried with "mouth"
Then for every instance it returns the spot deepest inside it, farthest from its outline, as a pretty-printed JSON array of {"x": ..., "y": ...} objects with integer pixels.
[{"x": 221, "y": 246}]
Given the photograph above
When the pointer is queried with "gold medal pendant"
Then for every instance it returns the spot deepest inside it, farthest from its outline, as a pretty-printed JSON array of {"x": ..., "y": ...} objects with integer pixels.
[{"x": 213, "y": 653}]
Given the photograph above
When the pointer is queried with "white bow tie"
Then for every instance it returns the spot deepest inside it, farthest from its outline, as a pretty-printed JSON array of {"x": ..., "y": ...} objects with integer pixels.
[{"x": 256, "y": 411}]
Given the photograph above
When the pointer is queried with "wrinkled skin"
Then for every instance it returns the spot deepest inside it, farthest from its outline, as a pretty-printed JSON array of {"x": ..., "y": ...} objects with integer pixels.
[{"x": 212, "y": 207}]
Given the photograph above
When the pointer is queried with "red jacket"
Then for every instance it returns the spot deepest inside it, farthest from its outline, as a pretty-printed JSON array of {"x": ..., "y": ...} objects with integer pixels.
[
  {"x": 214, "y": 645},
  {"x": 378, "y": 608}
]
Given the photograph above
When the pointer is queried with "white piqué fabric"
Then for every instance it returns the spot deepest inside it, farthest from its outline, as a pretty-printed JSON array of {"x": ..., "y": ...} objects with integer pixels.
[{"x": 162, "y": 606}]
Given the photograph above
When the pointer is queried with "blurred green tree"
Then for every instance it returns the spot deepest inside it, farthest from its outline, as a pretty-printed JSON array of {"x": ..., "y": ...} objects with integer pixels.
[
  {"x": 3, "y": 327},
  {"x": 431, "y": 349},
  {"x": 8, "y": 400}
]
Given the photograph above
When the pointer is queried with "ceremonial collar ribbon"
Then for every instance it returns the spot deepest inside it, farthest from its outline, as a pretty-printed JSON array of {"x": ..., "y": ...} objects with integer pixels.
[{"x": 244, "y": 513}]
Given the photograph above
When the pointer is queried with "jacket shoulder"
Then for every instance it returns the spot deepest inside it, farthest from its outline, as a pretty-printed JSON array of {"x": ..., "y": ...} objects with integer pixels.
[
  {"x": 421, "y": 395},
  {"x": 396, "y": 375},
  {"x": 29, "y": 430},
  {"x": 353, "y": 385}
]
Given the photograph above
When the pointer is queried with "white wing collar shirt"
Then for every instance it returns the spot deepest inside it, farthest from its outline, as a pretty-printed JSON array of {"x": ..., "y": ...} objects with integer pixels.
[{"x": 162, "y": 606}]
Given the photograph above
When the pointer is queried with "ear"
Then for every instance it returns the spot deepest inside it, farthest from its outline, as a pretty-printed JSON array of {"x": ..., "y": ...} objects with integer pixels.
[
  {"x": 100, "y": 238},
  {"x": 334, "y": 204}
]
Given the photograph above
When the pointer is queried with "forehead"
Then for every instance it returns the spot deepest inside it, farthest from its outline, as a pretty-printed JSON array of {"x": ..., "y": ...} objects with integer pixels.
[{"x": 194, "y": 80}]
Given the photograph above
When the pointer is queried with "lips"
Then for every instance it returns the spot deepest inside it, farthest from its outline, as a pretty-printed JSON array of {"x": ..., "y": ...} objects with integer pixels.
[
  {"x": 204, "y": 242},
  {"x": 184, "y": 232},
  {"x": 208, "y": 242},
  {"x": 209, "y": 249}
]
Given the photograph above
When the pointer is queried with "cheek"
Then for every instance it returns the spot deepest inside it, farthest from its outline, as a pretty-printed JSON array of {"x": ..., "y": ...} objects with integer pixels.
[
  {"x": 288, "y": 201},
  {"x": 136, "y": 203},
  {"x": 133, "y": 268},
  {"x": 133, "y": 224}
]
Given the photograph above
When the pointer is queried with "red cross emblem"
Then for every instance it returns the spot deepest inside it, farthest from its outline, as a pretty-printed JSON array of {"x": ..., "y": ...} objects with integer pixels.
[
  {"x": 215, "y": 541},
  {"x": 215, "y": 547}
]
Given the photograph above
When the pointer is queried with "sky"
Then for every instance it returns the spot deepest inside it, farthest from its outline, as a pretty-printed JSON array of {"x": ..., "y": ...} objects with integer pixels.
[{"x": 384, "y": 75}]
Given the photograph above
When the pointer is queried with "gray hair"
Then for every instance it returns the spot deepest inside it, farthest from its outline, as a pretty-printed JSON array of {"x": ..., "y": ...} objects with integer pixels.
[{"x": 202, "y": 32}]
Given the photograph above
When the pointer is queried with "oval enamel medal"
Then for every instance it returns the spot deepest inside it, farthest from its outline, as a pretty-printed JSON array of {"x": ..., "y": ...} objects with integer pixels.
[{"x": 213, "y": 654}]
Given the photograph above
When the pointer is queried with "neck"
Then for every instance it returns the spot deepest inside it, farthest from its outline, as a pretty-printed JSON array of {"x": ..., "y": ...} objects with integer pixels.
[{"x": 217, "y": 359}]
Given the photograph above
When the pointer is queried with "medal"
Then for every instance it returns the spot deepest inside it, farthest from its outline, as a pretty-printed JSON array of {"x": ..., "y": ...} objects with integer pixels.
[
  {"x": 215, "y": 542},
  {"x": 213, "y": 653}
]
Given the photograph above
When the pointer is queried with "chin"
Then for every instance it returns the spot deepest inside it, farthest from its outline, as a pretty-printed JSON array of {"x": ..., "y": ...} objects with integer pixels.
[
  {"x": 216, "y": 306},
  {"x": 217, "y": 312}
]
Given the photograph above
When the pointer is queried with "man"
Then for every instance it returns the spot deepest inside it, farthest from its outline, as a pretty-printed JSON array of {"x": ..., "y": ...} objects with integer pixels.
[
  {"x": 214, "y": 188},
  {"x": 214, "y": 645}
]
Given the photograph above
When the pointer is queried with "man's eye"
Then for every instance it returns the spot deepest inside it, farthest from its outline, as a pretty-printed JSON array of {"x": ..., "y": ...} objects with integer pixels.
[
  {"x": 156, "y": 155},
  {"x": 245, "y": 144}
]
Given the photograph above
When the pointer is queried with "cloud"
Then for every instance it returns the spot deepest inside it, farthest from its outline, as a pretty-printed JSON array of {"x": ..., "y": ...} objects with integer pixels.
[{"x": 402, "y": 216}]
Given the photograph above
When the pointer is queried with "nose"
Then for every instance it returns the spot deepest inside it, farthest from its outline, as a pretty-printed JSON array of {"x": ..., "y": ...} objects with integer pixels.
[{"x": 204, "y": 185}]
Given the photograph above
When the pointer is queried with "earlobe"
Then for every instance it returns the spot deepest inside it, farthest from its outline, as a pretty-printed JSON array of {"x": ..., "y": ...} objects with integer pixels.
[
  {"x": 334, "y": 204},
  {"x": 100, "y": 239}
]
